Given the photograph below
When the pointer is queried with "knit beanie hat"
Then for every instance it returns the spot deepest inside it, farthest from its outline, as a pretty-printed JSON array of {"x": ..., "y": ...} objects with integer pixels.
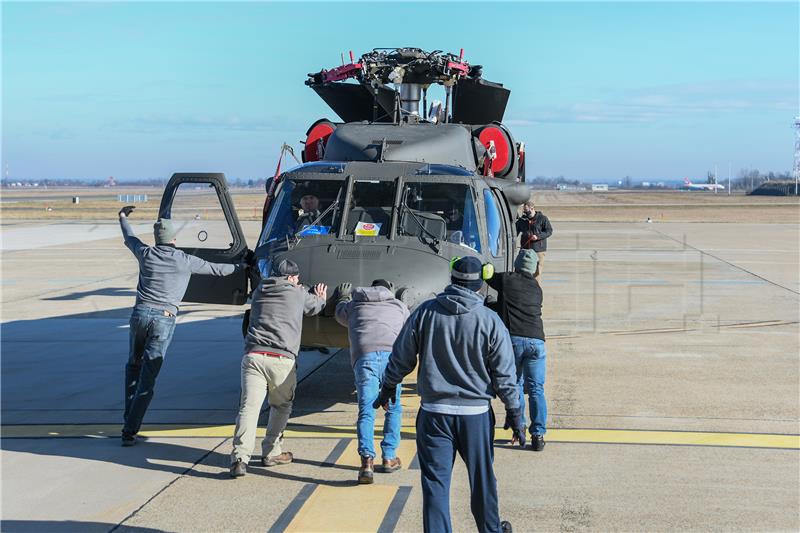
[
  {"x": 466, "y": 272},
  {"x": 383, "y": 283},
  {"x": 164, "y": 231},
  {"x": 285, "y": 269},
  {"x": 526, "y": 261}
]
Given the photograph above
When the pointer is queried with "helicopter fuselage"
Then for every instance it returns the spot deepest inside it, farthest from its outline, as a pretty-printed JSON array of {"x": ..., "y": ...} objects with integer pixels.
[{"x": 399, "y": 221}]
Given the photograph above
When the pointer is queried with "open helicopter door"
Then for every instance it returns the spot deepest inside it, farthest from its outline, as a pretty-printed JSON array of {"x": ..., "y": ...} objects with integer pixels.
[{"x": 203, "y": 215}]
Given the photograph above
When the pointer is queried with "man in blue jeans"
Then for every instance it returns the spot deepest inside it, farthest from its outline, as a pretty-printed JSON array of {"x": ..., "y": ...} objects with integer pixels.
[
  {"x": 164, "y": 273},
  {"x": 519, "y": 304},
  {"x": 465, "y": 359},
  {"x": 374, "y": 317}
]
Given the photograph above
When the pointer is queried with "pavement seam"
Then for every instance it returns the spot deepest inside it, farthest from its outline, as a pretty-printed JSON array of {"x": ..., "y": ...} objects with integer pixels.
[
  {"x": 168, "y": 485},
  {"x": 727, "y": 262}
]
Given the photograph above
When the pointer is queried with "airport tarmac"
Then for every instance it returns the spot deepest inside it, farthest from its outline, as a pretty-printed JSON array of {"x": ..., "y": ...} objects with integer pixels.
[{"x": 673, "y": 389}]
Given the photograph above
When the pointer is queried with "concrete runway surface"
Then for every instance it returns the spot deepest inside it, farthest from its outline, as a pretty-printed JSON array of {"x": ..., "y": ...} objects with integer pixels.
[{"x": 673, "y": 377}]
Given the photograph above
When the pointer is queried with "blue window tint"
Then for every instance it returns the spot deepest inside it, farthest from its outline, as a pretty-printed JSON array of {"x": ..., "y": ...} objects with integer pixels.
[
  {"x": 280, "y": 222},
  {"x": 432, "y": 169},
  {"x": 320, "y": 167},
  {"x": 472, "y": 235},
  {"x": 494, "y": 225}
]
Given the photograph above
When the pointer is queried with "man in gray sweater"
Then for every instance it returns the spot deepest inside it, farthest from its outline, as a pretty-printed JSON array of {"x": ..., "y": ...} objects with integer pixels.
[
  {"x": 164, "y": 273},
  {"x": 373, "y": 317},
  {"x": 271, "y": 347},
  {"x": 465, "y": 359}
]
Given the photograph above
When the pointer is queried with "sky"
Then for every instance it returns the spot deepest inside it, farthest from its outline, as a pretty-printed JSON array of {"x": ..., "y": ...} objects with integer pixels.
[{"x": 598, "y": 90}]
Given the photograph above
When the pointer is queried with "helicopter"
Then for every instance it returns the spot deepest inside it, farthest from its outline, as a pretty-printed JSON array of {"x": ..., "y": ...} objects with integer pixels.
[{"x": 394, "y": 191}]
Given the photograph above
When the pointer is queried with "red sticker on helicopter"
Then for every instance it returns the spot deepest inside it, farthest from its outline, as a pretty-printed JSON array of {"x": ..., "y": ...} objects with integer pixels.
[{"x": 368, "y": 229}]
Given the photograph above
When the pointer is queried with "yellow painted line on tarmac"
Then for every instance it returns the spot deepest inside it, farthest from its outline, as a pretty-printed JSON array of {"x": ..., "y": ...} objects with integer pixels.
[
  {"x": 598, "y": 436},
  {"x": 345, "y": 509},
  {"x": 405, "y": 451},
  {"x": 668, "y": 438}
]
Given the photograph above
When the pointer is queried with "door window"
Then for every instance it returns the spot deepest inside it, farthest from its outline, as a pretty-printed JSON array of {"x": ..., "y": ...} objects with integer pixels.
[
  {"x": 494, "y": 224},
  {"x": 198, "y": 218}
]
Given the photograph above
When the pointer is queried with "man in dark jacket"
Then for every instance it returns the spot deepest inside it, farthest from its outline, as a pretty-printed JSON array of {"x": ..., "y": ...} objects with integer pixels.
[
  {"x": 164, "y": 273},
  {"x": 373, "y": 317},
  {"x": 534, "y": 228},
  {"x": 465, "y": 359},
  {"x": 268, "y": 365},
  {"x": 519, "y": 304}
]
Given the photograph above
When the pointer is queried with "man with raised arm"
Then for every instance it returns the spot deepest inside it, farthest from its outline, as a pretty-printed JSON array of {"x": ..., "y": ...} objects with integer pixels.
[{"x": 164, "y": 273}]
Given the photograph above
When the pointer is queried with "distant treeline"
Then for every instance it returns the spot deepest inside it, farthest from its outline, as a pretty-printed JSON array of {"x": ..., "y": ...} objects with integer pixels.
[
  {"x": 750, "y": 179},
  {"x": 150, "y": 182},
  {"x": 746, "y": 180}
]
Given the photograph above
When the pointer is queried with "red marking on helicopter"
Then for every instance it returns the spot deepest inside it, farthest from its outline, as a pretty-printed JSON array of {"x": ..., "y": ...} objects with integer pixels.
[
  {"x": 502, "y": 161},
  {"x": 316, "y": 139}
]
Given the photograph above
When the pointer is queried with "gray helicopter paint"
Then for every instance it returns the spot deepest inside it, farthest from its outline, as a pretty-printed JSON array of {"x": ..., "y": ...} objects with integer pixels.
[
  {"x": 411, "y": 263},
  {"x": 448, "y": 144}
]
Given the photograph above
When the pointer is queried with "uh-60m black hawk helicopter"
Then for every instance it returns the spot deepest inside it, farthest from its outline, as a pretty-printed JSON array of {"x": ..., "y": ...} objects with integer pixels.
[{"x": 391, "y": 192}]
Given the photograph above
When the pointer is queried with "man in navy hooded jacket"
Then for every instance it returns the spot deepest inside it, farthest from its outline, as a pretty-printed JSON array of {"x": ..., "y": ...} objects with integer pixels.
[{"x": 465, "y": 359}]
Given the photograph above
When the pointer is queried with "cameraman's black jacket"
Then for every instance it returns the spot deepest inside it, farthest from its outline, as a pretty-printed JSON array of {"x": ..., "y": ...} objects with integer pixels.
[{"x": 539, "y": 225}]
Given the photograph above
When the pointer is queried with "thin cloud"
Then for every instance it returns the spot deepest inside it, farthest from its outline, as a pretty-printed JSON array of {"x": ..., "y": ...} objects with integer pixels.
[
  {"x": 669, "y": 104},
  {"x": 62, "y": 134},
  {"x": 208, "y": 124}
]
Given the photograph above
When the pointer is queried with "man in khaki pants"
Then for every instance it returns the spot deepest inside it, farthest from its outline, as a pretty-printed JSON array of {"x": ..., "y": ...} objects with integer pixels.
[{"x": 271, "y": 346}]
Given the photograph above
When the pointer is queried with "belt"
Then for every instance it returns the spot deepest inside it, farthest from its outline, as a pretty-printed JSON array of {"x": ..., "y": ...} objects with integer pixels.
[{"x": 273, "y": 354}]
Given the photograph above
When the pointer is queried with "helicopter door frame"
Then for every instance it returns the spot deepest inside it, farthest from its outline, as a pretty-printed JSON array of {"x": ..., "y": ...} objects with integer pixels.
[
  {"x": 232, "y": 289},
  {"x": 508, "y": 227},
  {"x": 348, "y": 192},
  {"x": 398, "y": 200}
]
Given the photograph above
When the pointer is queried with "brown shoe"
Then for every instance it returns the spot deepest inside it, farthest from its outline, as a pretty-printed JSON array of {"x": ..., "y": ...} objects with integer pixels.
[
  {"x": 366, "y": 471},
  {"x": 283, "y": 459},
  {"x": 392, "y": 465}
]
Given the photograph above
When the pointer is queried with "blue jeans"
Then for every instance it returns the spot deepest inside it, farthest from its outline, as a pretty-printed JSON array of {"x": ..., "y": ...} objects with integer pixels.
[
  {"x": 150, "y": 335},
  {"x": 530, "y": 356},
  {"x": 368, "y": 370},
  {"x": 439, "y": 437}
]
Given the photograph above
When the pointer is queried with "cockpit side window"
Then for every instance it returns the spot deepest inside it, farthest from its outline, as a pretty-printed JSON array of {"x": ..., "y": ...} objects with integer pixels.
[
  {"x": 445, "y": 211},
  {"x": 370, "y": 208},
  {"x": 494, "y": 224}
]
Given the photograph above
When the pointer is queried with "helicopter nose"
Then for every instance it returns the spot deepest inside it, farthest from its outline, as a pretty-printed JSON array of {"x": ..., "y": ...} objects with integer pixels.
[{"x": 415, "y": 274}]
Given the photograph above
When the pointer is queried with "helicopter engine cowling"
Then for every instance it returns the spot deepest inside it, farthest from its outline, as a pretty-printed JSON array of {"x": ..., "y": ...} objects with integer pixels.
[
  {"x": 505, "y": 163},
  {"x": 317, "y": 139}
]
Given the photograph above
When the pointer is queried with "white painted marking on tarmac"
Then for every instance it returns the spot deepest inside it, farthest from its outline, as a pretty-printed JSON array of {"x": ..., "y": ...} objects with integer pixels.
[
  {"x": 33, "y": 237},
  {"x": 678, "y": 354}
]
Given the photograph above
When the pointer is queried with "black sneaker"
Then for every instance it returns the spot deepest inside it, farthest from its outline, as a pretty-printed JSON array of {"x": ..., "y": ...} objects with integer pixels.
[
  {"x": 238, "y": 469},
  {"x": 505, "y": 527},
  {"x": 128, "y": 439},
  {"x": 537, "y": 443}
]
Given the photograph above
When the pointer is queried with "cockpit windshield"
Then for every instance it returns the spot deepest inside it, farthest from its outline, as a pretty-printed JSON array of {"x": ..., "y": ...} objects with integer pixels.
[
  {"x": 440, "y": 211},
  {"x": 303, "y": 208},
  {"x": 370, "y": 208}
]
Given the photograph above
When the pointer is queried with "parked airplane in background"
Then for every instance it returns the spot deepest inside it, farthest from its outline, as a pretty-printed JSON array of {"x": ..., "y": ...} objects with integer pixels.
[{"x": 702, "y": 186}]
